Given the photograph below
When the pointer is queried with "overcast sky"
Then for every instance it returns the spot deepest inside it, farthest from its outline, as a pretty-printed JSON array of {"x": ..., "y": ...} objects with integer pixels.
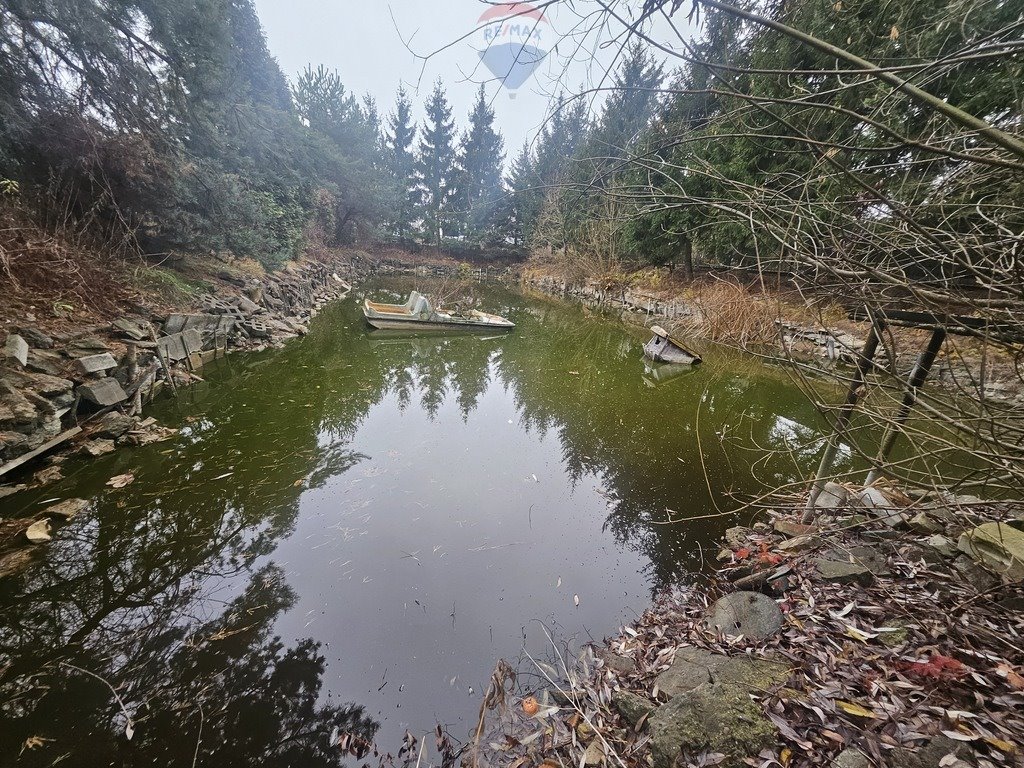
[{"x": 375, "y": 45}]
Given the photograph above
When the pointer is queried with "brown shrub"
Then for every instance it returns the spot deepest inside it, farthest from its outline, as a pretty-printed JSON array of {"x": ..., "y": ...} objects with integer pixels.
[{"x": 729, "y": 313}]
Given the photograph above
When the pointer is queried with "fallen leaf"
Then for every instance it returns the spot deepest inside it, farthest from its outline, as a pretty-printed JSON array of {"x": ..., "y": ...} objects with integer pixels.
[
  {"x": 852, "y": 708},
  {"x": 962, "y": 735},
  {"x": 38, "y": 532},
  {"x": 120, "y": 481},
  {"x": 32, "y": 742},
  {"x": 1015, "y": 680},
  {"x": 859, "y": 634},
  {"x": 1002, "y": 746}
]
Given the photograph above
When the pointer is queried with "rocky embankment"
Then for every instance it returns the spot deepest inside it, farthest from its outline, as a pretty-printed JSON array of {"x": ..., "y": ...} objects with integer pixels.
[
  {"x": 816, "y": 345},
  {"x": 887, "y": 633},
  {"x": 808, "y": 342},
  {"x": 66, "y": 390}
]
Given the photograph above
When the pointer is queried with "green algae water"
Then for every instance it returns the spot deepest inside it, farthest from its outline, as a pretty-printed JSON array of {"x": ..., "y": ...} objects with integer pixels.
[{"x": 348, "y": 532}]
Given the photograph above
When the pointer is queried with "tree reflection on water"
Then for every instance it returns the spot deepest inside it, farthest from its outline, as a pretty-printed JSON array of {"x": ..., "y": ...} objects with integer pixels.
[{"x": 168, "y": 591}]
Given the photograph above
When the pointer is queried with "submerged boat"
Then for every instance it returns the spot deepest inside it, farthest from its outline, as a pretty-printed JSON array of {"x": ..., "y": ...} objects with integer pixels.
[
  {"x": 418, "y": 313},
  {"x": 662, "y": 348}
]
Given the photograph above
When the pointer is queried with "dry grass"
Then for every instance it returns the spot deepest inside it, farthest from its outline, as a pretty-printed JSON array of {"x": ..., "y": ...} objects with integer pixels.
[
  {"x": 62, "y": 273},
  {"x": 729, "y": 313}
]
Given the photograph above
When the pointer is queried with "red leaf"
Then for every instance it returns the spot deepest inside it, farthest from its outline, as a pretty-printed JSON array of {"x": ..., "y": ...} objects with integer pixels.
[{"x": 938, "y": 667}]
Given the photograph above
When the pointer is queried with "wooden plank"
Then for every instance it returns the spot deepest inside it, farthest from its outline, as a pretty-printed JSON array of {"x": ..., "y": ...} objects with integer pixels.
[
  {"x": 958, "y": 325},
  {"x": 49, "y": 445}
]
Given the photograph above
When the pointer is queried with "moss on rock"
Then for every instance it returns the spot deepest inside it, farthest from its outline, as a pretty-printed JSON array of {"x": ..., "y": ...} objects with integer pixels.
[{"x": 715, "y": 718}]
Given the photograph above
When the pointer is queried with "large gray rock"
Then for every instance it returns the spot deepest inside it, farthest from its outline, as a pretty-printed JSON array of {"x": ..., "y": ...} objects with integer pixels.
[
  {"x": 851, "y": 757},
  {"x": 799, "y": 544},
  {"x": 16, "y": 350},
  {"x": 931, "y": 754},
  {"x": 879, "y": 505},
  {"x": 843, "y": 571},
  {"x": 751, "y": 614},
  {"x": 113, "y": 425},
  {"x": 631, "y": 706},
  {"x": 41, "y": 384},
  {"x": 792, "y": 529},
  {"x": 12, "y": 444},
  {"x": 246, "y": 305},
  {"x": 973, "y": 575},
  {"x": 613, "y": 661},
  {"x": 833, "y": 496},
  {"x": 101, "y": 363},
  {"x": 924, "y": 523},
  {"x": 178, "y": 346},
  {"x": 943, "y": 545},
  {"x": 712, "y": 718},
  {"x": 998, "y": 546},
  {"x": 16, "y": 410},
  {"x": 209, "y": 326},
  {"x": 103, "y": 392},
  {"x": 45, "y": 361},
  {"x": 693, "y": 667},
  {"x": 136, "y": 331},
  {"x": 35, "y": 338},
  {"x": 87, "y": 345},
  {"x": 869, "y": 557}
]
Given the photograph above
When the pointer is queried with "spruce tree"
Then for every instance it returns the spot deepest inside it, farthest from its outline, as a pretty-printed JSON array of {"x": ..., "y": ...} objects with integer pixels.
[
  {"x": 628, "y": 110},
  {"x": 479, "y": 186},
  {"x": 436, "y": 165},
  {"x": 556, "y": 174},
  {"x": 524, "y": 196},
  {"x": 401, "y": 167}
]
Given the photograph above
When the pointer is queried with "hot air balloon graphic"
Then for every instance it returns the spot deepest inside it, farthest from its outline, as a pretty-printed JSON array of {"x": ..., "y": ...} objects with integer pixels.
[{"x": 511, "y": 37}]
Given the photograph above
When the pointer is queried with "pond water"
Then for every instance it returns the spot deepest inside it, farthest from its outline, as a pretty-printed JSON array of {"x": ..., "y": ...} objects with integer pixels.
[{"x": 348, "y": 532}]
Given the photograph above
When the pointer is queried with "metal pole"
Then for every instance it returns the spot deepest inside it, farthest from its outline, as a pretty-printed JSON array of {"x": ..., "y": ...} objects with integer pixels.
[
  {"x": 915, "y": 382},
  {"x": 864, "y": 364}
]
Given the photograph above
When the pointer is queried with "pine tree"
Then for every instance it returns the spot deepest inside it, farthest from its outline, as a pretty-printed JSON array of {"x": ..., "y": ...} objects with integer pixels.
[
  {"x": 560, "y": 140},
  {"x": 479, "y": 186},
  {"x": 401, "y": 167},
  {"x": 628, "y": 110},
  {"x": 436, "y": 165},
  {"x": 556, "y": 174},
  {"x": 525, "y": 196}
]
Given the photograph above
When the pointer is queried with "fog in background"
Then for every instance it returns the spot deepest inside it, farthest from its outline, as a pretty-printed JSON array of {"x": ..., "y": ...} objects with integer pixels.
[{"x": 376, "y": 46}]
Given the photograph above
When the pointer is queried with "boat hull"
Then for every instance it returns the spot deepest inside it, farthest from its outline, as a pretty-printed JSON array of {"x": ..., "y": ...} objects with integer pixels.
[
  {"x": 410, "y": 324},
  {"x": 418, "y": 315},
  {"x": 662, "y": 348}
]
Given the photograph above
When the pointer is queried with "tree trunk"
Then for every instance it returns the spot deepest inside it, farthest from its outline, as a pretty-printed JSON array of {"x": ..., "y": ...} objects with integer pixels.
[{"x": 687, "y": 254}]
